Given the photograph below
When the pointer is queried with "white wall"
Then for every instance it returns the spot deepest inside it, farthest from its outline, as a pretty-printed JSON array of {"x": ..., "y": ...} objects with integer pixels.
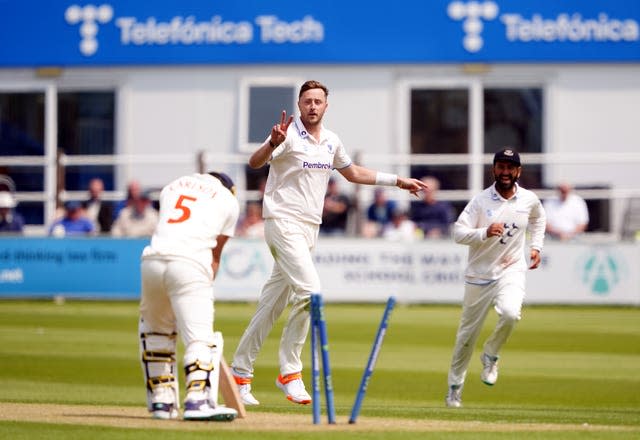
[
  {"x": 180, "y": 111},
  {"x": 595, "y": 109}
]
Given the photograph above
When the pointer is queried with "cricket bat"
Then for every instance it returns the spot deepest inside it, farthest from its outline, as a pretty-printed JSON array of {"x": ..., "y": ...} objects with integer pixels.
[{"x": 229, "y": 390}]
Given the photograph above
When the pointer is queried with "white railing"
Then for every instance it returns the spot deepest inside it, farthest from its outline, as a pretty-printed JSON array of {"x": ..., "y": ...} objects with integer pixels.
[{"x": 51, "y": 196}]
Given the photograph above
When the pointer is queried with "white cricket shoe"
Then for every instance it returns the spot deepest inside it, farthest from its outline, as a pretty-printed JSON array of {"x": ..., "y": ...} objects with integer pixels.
[
  {"x": 454, "y": 396},
  {"x": 244, "y": 389},
  {"x": 293, "y": 388},
  {"x": 202, "y": 410},
  {"x": 489, "y": 373},
  {"x": 163, "y": 411}
]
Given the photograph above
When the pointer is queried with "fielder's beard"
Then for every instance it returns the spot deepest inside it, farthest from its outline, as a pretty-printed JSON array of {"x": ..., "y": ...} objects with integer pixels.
[{"x": 505, "y": 185}]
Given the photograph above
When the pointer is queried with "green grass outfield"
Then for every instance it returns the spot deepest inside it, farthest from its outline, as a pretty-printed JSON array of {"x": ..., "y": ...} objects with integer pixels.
[{"x": 566, "y": 373}]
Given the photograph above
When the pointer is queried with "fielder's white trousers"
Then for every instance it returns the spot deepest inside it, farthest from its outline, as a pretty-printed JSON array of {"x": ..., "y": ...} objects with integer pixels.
[
  {"x": 506, "y": 295},
  {"x": 293, "y": 280},
  {"x": 177, "y": 295}
]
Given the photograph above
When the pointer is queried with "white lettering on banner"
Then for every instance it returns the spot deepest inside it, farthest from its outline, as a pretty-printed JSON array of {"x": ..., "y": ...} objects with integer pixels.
[
  {"x": 276, "y": 31},
  {"x": 187, "y": 31},
  {"x": 569, "y": 28},
  {"x": 184, "y": 31},
  {"x": 11, "y": 276}
]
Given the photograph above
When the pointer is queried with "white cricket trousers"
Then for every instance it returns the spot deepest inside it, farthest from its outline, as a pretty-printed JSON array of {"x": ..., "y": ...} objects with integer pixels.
[
  {"x": 177, "y": 295},
  {"x": 506, "y": 295},
  {"x": 293, "y": 279}
]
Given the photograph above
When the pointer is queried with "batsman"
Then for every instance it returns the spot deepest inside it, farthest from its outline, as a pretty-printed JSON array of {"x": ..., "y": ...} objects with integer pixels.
[{"x": 198, "y": 214}]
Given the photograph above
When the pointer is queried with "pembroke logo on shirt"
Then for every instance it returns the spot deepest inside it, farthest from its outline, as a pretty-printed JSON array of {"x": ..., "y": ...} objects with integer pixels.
[{"x": 316, "y": 165}]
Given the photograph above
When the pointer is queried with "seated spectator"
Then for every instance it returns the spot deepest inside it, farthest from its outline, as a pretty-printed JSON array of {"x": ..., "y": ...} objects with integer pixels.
[
  {"x": 335, "y": 212},
  {"x": 134, "y": 192},
  {"x": 252, "y": 224},
  {"x": 11, "y": 222},
  {"x": 138, "y": 219},
  {"x": 400, "y": 228},
  {"x": 100, "y": 212},
  {"x": 432, "y": 216},
  {"x": 567, "y": 214},
  {"x": 7, "y": 184},
  {"x": 379, "y": 213},
  {"x": 73, "y": 222}
]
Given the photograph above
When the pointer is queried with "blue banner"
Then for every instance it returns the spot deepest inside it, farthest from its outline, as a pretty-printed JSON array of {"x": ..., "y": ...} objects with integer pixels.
[
  {"x": 164, "y": 32},
  {"x": 74, "y": 267}
]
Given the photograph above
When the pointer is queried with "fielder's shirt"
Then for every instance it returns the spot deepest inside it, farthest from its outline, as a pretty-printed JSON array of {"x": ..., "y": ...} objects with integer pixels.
[
  {"x": 299, "y": 174},
  {"x": 491, "y": 257}
]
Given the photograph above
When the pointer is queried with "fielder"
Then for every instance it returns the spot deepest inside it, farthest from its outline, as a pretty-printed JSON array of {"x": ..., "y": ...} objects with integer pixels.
[
  {"x": 198, "y": 214},
  {"x": 493, "y": 225},
  {"x": 302, "y": 155}
]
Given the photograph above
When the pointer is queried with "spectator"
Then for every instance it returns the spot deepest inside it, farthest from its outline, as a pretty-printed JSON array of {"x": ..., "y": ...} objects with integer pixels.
[
  {"x": 434, "y": 217},
  {"x": 567, "y": 214},
  {"x": 7, "y": 183},
  {"x": 252, "y": 224},
  {"x": 11, "y": 222},
  {"x": 139, "y": 219},
  {"x": 379, "y": 213},
  {"x": 400, "y": 228},
  {"x": 100, "y": 212},
  {"x": 74, "y": 222},
  {"x": 134, "y": 192},
  {"x": 335, "y": 211}
]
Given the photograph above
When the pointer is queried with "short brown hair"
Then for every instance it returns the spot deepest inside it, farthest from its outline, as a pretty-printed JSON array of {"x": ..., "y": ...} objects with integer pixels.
[{"x": 311, "y": 84}]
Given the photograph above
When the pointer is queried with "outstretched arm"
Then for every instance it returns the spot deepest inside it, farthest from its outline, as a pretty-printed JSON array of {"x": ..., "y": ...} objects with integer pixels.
[
  {"x": 278, "y": 134},
  {"x": 359, "y": 174}
]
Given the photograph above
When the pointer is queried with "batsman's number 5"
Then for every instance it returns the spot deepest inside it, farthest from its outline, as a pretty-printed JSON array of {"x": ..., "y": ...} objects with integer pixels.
[{"x": 186, "y": 212}]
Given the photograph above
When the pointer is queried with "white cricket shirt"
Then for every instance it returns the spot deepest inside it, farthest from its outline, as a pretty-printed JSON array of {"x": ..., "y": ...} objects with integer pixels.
[
  {"x": 299, "y": 174},
  {"x": 491, "y": 257},
  {"x": 194, "y": 210}
]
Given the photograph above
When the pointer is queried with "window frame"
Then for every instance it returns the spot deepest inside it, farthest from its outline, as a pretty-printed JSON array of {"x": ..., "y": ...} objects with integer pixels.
[
  {"x": 48, "y": 160},
  {"x": 246, "y": 84},
  {"x": 476, "y": 85},
  {"x": 474, "y": 156}
]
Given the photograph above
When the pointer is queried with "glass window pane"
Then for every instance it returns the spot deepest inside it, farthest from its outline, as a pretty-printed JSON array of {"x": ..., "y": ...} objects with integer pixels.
[
  {"x": 86, "y": 126},
  {"x": 513, "y": 117},
  {"x": 440, "y": 125},
  {"x": 21, "y": 124},
  {"x": 265, "y": 107},
  {"x": 86, "y": 122},
  {"x": 22, "y": 134}
]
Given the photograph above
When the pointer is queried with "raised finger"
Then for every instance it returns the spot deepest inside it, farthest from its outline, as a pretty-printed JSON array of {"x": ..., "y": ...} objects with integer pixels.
[{"x": 286, "y": 126}]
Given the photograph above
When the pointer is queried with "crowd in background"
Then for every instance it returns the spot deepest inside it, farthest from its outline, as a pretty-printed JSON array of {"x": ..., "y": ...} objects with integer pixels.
[{"x": 384, "y": 217}]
